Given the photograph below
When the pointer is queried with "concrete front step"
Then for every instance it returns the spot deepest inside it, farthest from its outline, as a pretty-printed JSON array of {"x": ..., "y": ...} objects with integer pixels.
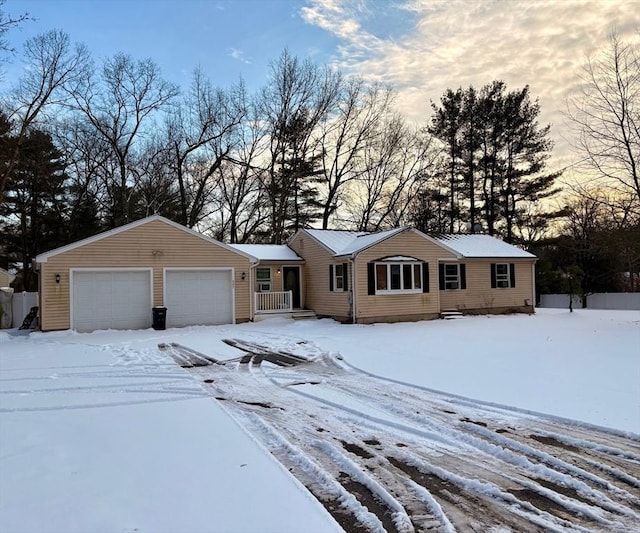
[
  {"x": 451, "y": 315},
  {"x": 298, "y": 314},
  {"x": 303, "y": 315}
]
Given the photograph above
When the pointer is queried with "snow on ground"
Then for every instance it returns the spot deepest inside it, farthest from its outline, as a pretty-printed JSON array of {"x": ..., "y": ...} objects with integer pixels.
[
  {"x": 583, "y": 365},
  {"x": 99, "y": 433},
  {"x": 102, "y": 432}
]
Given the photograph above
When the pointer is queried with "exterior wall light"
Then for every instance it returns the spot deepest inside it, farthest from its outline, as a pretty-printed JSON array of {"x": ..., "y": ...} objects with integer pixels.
[
  {"x": 57, "y": 278},
  {"x": 242, "y": 276}
]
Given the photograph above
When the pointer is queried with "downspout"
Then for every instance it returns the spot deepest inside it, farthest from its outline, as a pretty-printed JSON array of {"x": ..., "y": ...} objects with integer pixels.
[
  {"x": 353, "y": 290},
  {"x": 252, "y": 296}
]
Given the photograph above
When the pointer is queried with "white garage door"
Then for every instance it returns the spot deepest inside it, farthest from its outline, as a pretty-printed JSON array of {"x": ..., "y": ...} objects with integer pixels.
[
  {"x": 114, "y": 299},
  {"x": 198, "y": 297}
]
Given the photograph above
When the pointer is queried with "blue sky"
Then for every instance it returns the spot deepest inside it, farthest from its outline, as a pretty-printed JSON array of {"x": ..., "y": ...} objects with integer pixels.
[
  {"x": 421, "y": 47},
  {"x": 227, "y": 38}
]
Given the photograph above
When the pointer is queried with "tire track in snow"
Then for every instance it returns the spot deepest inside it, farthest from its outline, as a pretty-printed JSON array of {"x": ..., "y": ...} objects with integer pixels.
[{"x": 424, "y": 461}]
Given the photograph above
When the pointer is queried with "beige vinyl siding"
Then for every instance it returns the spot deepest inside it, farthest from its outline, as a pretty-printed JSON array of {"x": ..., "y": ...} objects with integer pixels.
[
  {"x": 315, "y": 285},
  {"x": 4, "y": 278},
  {"x": 276, "y": 278},
  {"x": 480, "y": 296},
  {"x": 155, "y": 245},
  {"x": 399, "y": 306}
]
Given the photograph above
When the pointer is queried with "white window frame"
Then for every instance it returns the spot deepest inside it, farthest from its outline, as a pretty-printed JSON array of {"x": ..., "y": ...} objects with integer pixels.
[
  {"x": 416, "y": 288},
  {"x": 336, "y": 277},
  {"x": 503, "y": 280},
  {"x": 452, "y": 281},
  {"x": 261, "y": 284}
]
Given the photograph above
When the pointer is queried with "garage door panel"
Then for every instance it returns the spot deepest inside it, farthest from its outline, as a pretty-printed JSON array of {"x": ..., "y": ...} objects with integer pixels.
[
  {"x": 198, "y": 297},
  {"x": 116, "y": 299}
]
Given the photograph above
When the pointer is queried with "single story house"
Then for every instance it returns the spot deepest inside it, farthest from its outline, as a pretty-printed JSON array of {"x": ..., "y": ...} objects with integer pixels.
[
  {"x": 403, "y": 274},
  {"x": 113, "y": 280}
]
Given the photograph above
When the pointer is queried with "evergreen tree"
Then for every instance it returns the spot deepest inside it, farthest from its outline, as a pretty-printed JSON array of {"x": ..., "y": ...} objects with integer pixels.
[
  {"x": 496, "y": 155},
  {"x": 446, "y": 125},
  {"x": 33, "y": 216}
]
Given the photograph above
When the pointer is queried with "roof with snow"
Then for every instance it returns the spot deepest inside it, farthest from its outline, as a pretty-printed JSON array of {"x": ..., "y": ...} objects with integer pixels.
[
  {"x": 481, "y": 246},
  {"x": 268, "y": 252},
  {"x": 350, "y": 242}
]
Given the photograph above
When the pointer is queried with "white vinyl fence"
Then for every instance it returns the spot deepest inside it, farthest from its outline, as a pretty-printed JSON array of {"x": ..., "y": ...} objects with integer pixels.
[
  {"x": 614, "y": 300},
  {"x": 559, "y": 301},
  {"x": 605, "y": 300},
  {"x": 21, "y": 305}
]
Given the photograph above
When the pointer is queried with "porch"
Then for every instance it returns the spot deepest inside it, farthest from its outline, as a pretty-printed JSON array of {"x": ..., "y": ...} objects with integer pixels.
[{"x": 270, "y": 304}]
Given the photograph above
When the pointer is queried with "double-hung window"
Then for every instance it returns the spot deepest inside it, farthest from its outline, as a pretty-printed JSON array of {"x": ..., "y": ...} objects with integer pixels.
[
  {"x": 453, "y": 276},
  {"x": 263, "y": 279},
  {"x": 338, "y": 280},
  {"x": 398, "y": 277},
  {"x": 503, "y": 275},
  {"x": 338, "y": 277}
]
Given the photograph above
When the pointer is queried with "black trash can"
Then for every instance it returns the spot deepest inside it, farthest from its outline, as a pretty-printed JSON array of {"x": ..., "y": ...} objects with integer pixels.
[{"x": 159, "y": 317}]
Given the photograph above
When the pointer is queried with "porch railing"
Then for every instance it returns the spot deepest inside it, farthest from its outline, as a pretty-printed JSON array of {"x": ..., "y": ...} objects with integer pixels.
[{"x": 274, "y": 302}]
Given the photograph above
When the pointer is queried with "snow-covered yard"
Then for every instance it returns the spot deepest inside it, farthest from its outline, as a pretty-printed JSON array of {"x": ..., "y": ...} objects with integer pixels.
[{"x": 104, "y": 432}]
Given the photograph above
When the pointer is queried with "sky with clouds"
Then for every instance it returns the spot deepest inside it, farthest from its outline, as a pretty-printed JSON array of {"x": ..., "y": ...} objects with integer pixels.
[{"x": 421, "y": 47}]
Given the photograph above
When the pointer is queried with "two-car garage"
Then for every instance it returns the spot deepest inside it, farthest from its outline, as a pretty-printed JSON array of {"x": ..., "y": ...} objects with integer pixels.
[
  {"x": 122, "y": 299},
  {"x": 113, "y": 280}
]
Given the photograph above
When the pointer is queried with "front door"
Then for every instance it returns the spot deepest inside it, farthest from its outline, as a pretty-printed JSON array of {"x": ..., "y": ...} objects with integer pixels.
[{"x": 291, "y": 280}]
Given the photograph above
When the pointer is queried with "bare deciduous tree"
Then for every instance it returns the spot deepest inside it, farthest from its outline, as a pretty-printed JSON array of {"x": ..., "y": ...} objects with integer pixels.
[
  {"x": 200, "y": 135},
  {"x": 118, "y": 103},
  {"x": 606, "y": 114},
  {"x": 344, "y": 136},
  {"x": 8, "y": 22},
  {"x": 395, "y": 168},
  {"x": 51, "y": 65},
  {"x": 294, "y": 102},
  {"x": 240, "y": 196}
]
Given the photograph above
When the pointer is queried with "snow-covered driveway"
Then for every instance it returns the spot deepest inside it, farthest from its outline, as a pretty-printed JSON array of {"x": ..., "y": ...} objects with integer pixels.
[
  {"x": 104, "y": 432},
  {"x": 388, "y": 456}
]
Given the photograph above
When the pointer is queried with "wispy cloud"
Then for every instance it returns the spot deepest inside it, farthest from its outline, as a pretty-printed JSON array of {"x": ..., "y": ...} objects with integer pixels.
[
  {"x": 239, "y": 55},
  {"x": 453, "y": 43}
]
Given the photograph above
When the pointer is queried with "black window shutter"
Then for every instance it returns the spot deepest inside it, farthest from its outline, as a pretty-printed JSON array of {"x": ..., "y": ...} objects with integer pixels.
[
  {"x": 331, "y": 277},
  {"x": 345, "y": 278},
  {"x": 493, "y": 276},
  {"x": 512, "y": 275},
  {"x": 463, "y": 276},
  {"x": 371, "y": 278},
  {"x": 441, "y": 275},
  {"x": 425, "y": 277}
]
